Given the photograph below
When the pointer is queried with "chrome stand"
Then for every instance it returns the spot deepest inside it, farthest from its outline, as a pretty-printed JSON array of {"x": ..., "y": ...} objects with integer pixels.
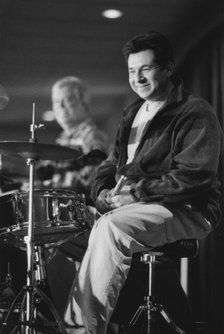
[
  {"x": 31, "y": 319},
  {"x": 150, "y": 307},
  {"x": 31, "y": 295}
]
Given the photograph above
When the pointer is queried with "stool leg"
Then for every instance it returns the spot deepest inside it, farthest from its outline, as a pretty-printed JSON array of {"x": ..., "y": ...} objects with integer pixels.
[
  {"x": 172, "y": 324},
  {"x": 150, "y": 306}
]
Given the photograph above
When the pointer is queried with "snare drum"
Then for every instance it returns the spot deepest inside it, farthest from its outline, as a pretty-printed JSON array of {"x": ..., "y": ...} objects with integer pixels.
[{"x": 57, "y": 214}]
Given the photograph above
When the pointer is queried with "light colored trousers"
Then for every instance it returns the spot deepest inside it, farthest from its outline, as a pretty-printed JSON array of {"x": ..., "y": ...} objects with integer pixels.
[{"x": 113, "y": 239}]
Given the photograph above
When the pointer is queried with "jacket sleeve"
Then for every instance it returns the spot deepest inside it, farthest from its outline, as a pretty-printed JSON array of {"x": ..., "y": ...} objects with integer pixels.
[{"x": 105, "y": 176}]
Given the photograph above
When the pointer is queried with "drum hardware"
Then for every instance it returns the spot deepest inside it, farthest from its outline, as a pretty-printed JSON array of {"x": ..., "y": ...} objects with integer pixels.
[
  {"x": 8, "y": 278},
  {"x": 53, "y": 247},
  {"x": 55, "y": 209},
  {"x": 6, "y": 237},
  {"x": 31, "y": 295},
  {"x": 40, "y": 268},
  {"x": 7, "y": 294}
]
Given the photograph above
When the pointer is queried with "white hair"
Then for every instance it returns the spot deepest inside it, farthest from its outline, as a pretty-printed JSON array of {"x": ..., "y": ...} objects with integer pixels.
[{"x": 76, "y": 85}]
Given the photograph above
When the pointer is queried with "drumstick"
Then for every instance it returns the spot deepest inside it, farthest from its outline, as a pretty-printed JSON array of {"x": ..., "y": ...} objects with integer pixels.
[{"x": 119, "y": 185}]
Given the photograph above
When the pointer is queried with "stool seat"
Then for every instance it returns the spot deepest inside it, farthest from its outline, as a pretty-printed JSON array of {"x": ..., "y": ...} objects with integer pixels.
[
  {"x": 179, "y": 248},
  {"x": 184, "y": 248}
]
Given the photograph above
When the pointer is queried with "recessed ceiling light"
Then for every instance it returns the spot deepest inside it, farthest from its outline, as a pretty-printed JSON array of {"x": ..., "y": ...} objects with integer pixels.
[{"x": 112, "y": 13}]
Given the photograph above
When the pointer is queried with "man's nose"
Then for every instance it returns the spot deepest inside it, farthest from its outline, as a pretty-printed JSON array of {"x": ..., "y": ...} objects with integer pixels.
[
  {"x": 60, "y": 104},
  {"x": 140, "y": 77}
]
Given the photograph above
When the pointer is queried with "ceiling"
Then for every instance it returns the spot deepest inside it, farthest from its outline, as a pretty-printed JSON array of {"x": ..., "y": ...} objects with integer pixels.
[{"x": 44, "y": 40}]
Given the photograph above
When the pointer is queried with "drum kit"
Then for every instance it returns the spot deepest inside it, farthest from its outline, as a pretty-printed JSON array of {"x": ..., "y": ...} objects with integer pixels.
[{"x": 33, "y": 219}]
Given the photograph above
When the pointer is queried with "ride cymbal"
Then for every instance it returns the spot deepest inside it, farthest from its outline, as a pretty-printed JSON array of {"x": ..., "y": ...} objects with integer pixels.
[{"x": 38, "y": 151}]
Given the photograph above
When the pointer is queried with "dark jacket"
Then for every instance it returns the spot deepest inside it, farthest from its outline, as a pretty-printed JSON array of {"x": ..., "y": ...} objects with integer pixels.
[{"x": 177, "y": 160}]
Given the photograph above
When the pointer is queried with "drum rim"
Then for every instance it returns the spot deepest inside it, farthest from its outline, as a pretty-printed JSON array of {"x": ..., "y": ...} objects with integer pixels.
[
  {"x": 53, "y": 192},
  {"x": 8, "y": 194}
]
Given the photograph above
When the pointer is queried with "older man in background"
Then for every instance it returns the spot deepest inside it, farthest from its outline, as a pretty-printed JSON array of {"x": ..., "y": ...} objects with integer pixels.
[{"x": 70, "y": 102}]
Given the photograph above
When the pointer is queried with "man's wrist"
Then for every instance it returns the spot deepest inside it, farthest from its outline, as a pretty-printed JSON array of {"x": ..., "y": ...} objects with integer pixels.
[
  {"x": 133, "y": 193},
  {"x": 103, "y": 192}
]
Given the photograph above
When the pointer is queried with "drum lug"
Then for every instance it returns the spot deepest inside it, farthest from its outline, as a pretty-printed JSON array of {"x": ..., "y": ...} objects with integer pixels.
[
  {"x": 71, "y": 209},
  {"x": 81, "y": 217},
  {"x": 56, "y": 211}
]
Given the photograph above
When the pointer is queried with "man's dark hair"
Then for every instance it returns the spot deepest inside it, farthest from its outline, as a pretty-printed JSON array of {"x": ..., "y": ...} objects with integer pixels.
[{"x": 154, "y": 41}]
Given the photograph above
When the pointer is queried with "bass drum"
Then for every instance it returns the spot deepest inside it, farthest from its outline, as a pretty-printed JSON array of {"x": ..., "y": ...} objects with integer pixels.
[{"x": 57, "y": 215}]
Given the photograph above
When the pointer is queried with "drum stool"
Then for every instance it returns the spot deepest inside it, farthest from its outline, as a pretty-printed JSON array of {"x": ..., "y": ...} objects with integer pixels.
[{"x": 183, "y": 249}]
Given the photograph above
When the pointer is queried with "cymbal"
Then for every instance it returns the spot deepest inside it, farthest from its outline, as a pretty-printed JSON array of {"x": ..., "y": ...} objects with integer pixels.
[{"x": 38, "y": 151}]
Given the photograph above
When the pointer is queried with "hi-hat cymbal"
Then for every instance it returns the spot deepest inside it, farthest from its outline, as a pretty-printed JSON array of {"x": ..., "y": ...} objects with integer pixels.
[{"x": 37, "y": 151}]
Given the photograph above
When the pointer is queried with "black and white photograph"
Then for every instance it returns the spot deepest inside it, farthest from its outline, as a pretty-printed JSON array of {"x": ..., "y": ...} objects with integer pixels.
[{"x": 111, "y": 167}]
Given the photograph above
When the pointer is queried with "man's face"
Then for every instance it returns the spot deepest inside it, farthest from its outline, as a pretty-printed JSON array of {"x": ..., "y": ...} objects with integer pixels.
[
  {"x": 66, "y": 106},
  {"x": 146, "y": 78}
]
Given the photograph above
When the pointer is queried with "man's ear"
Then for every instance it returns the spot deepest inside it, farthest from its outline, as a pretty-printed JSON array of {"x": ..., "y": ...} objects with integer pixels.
[{"x": 169, "y": 68}]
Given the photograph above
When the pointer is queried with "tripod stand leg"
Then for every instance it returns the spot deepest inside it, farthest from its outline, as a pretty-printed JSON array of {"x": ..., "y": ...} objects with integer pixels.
[
  {"x": 146, "y": 310},
  {"x": 172, "y": 324},
  {"x": 48, "y": 302},
  {"x": 148, "y": 320},
  {"x": 26, "y": 327},
  {"x": 137, "y": 315},
  {"x": 12, "y": 308}
]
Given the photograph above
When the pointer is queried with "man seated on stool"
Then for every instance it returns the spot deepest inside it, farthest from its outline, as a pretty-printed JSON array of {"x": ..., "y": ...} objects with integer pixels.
[{"x": 168, "y": 147}]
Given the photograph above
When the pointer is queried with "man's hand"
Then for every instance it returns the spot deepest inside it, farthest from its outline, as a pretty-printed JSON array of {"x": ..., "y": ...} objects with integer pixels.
[
  {"x": 123, "y": 198},
  {"x": 106, "y": 202},
  {"x": 102, "y": 204}
]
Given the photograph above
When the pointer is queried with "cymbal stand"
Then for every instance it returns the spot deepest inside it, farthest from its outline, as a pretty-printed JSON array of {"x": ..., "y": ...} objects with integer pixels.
[{"x": 29, "y": 301}]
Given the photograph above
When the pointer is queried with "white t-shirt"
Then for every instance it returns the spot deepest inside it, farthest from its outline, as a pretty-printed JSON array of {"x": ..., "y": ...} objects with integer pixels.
[{"x": 145, "y": 114}]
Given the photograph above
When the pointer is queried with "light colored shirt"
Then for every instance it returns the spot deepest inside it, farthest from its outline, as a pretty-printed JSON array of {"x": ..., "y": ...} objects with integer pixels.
[
  {"x": 78, "y": 174},
  {"x": 145, "y": 114}
]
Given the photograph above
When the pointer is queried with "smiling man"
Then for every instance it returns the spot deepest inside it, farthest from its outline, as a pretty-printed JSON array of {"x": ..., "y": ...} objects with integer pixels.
[
  {"x": 168, "y": 148},
  {"x": 71, "y": 107}
]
